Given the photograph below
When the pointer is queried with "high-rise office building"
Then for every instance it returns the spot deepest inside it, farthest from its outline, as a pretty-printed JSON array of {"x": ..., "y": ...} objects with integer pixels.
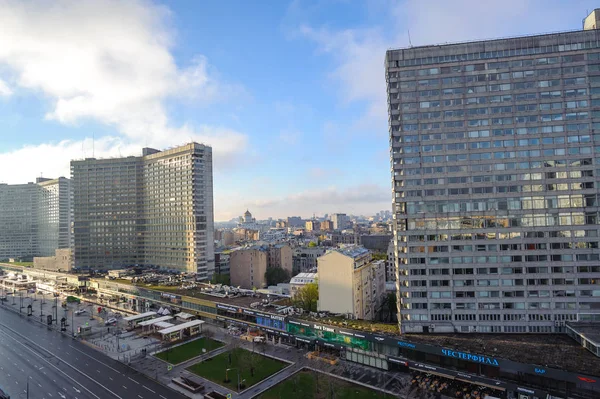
[
  {"x": 153, "y": 210},
  {"x": 340, "y": 221},
  {"x": 35, "y": 218},
  {"x": 495, "y": 152}
]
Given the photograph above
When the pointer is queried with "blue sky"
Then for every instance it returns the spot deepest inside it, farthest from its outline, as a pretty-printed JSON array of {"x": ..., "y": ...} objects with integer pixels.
[{"x": 290, "y": 94}]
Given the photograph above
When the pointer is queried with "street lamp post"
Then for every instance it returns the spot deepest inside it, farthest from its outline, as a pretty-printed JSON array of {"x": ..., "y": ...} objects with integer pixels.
[{"x": 238, "y": 376}]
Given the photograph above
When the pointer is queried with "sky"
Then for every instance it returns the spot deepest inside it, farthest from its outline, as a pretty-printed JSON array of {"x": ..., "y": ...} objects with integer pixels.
[{"x": 290, "y": 94}]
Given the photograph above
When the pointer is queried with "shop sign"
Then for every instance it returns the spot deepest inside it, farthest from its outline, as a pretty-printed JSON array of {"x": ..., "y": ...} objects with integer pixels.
[
  {"x": 227, "y": 308},
  {"x": 323, "y": 328},
  {"x": 586, "y": 379},
  {"x": 530, "y": 391},
  {"x": 539, "y": 370},
  {"x": 470, "y": 357},
  {"x": 425, "y": 366},
  {"x": 407, "y": 345},
  {"x": 398, "y": 361}
]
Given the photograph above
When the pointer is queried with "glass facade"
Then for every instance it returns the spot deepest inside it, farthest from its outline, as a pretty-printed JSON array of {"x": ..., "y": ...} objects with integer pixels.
[
  {"x": 35, "y": 218},
  {"x": 495, "y": 166}
]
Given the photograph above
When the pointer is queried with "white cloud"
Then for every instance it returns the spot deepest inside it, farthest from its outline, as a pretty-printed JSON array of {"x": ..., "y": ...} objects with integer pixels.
[
  {"x": 108, "y": 62},
  {"x": 359, "y": 53},
  {"x": 4, "y": 89},
  {"x": 359, "y": 199}
]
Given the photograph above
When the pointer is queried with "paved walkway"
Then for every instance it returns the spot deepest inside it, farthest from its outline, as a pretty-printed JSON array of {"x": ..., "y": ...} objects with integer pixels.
[{"x": 395, "y": 383}]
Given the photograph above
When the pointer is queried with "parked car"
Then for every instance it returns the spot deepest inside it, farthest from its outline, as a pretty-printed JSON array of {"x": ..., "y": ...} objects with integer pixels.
[
  {"x": 110, "y": 321},
  {"x": 80, "y": 311}
]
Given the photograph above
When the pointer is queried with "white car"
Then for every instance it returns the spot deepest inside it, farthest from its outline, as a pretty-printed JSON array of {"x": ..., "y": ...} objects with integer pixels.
[
  {"x": 110, "y": 321},
  {"x": 80, "y": 311}
]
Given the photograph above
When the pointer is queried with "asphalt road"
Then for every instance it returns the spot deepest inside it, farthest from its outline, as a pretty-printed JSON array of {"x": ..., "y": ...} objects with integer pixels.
[{"x": 59, "y": 367}]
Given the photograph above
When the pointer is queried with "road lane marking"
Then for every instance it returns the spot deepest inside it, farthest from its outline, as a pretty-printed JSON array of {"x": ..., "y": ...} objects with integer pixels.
[
  {"x": 148, "y": 389},
  {"x": 124, "y": 387},
  {"x": 133, "y": 380},
  {"x": 47, "y": 361},
  {"x": 85, "y": 354}
]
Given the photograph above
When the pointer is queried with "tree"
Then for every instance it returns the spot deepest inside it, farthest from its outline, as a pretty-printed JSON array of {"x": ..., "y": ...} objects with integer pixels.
[
  {"x": 276, "y": 275},
  {"x": 221, "y": 279},
  {"x": 379, "y": 256},
  {"x": 306, "y": 297},
  {"x": 312, "y": 244}
]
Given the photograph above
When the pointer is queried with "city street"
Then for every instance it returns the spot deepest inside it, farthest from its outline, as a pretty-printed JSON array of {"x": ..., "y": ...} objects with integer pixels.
[{"x": 59, "y": 367}]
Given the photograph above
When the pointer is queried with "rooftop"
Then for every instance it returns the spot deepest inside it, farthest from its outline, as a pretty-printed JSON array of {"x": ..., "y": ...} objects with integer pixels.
[
  {"x": 589, "y": 330},
  {"x": 303, "y": 278},
  {"x": 352, "y": 251},
  {"x": 549, "y": 350}
]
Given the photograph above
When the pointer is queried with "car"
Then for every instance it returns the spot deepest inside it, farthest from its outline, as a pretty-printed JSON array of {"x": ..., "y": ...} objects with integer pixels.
[
  {"x": 110, "y": 321},
  {"x": 80, "y": 311},
  {"x": 3, "y": 298}
]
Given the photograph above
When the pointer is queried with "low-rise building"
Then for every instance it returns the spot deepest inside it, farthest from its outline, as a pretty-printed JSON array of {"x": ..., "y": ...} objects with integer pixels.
[
  {"x": 343, "y": 239},
  {"x": 273, "y": 234},
  {"x": 299, "y": 281},
  {"x": 61, "y": 261},
  {"x": 305, "y": 259},
  {"x": 350, "y": 282}
]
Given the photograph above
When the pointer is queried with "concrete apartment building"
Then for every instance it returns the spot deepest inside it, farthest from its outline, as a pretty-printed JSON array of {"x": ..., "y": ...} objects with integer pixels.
[
  {"x": 280, "y": 255},
  {"x": 35, "y": 218},
  {"x": 294, "y": 221},
  {"x": 305, "y": 259},
  {"x": 247, "y": 267},
  {"x": 326, "y": 225},
  {"x": 312, "y": 225},
  {"x": 350, "y": 282},
  {"x": 340, "y": 221},
  {"x": 494, "y": 151},
  {"x": 154, "y": 209}
]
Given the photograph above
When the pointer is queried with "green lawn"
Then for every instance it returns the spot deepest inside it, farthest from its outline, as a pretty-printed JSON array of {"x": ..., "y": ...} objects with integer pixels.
[
  {"x": 187, "y": 351},
  {"x": 304, "y": 385},
  {"x": 242, "y": 360}
]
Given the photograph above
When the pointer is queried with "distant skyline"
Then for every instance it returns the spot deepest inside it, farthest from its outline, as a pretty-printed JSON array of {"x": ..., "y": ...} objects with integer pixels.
[{"x": 290, "y": 94}]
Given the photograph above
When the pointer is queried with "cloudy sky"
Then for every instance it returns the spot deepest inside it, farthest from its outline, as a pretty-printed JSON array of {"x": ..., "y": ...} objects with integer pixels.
[{"x": 290, "y": 94}]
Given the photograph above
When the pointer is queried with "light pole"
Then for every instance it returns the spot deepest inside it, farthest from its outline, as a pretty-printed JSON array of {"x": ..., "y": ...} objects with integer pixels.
[{"x": 238, "y": 376}]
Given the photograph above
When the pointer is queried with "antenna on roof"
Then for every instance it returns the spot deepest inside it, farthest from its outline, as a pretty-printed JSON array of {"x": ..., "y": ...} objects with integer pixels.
[
  {"x": 409, "y": 41},
  {"x": 93, "y": 145}
]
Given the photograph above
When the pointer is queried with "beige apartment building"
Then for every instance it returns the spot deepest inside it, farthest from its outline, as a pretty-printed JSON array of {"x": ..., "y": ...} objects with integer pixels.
[
  {"x": 312, "y": 225},
  {"x": 350, "y": 282},
  {"x": 247, "y": 267},
  {"x": 280, "y": 255},
  {"x": 326, "y": 225}
]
